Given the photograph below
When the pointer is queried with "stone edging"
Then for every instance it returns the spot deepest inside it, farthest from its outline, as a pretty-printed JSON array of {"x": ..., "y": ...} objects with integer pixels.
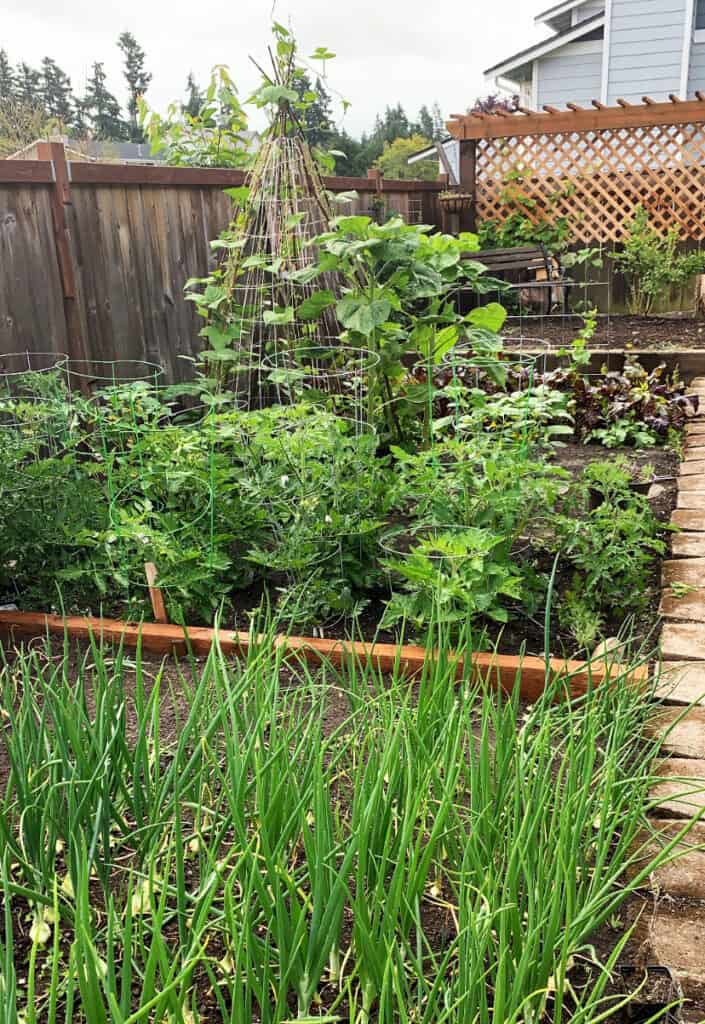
[{"x": 676, "y": 927}]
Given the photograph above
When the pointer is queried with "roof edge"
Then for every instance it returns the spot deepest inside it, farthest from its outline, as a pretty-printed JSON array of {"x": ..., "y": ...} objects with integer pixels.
[{"x": 547, "y": 46}]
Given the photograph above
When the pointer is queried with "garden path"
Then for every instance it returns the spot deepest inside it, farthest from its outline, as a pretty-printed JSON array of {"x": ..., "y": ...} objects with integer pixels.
[{"x": 675, "y": 925}]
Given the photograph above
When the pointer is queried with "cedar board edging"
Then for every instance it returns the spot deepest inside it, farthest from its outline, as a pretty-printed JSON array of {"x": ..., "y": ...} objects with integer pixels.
[{"x": 502, "y": 670}]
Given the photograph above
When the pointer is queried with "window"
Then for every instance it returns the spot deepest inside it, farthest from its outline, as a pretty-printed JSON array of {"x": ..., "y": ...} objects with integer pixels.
[{"x": 700, "y": 16}]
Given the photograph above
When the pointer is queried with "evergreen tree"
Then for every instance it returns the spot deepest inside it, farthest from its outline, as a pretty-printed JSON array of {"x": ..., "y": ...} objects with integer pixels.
[
  {"x": 7, "y": 77},
  {"x": 56, "y": 94},
  {"x": 28, "y": 85},
  {"x": 101, "y": 107},
  {"x": 425, "y": 123},
  {"x": 439, "y": 125},
  {"x": 354, "y": 161},
  {"x": 316, "y": 117},
  {"x": 80, "y": 123},
  {"x": 137, "y": 77},
  {"x": 394, "y": 125},
  {"x": 195, "y": 97}
]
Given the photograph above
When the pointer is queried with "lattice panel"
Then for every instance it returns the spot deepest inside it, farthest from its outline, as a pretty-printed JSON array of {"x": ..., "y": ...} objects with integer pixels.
[{"x": 596, "y": 179}]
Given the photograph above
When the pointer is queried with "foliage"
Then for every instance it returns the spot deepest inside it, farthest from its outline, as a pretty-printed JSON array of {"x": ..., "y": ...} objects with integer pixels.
[
  {"x": 651, "y": 263},
  {"x": 137, "y": 78},
  {"x": 215, "y": 136},
  {"x": 494, "y": 102},
  {"x": 298, "y": 490},
  {"x": 171, "y": 832},
  {"x": 354, "y": 156},
  {"x": 624, "y": 433},
  {"x": 316, "y": 115},
  {"x": 474, "y": 496},
  {"x": 611, "y": 538},
  {"x": 635, "y": 406},
  {"x": 195, "y": 97},
  {"x": 47, "y": 92},
  {"x": 56, "y": 96},
  {"x": 303, "y": 504},
  {"x": 20, "y": 124},
  {"x": 7, "y": 76},
  {"x": 399, "y": 284},
  {"x": 393, "y": 160},
  {"x": 455, "y": 576},
  {"x": 102, "y": 108},
  {"x": 524, "y": 223}
]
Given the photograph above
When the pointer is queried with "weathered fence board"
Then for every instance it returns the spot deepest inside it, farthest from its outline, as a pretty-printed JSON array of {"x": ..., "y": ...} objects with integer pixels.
[
  {"x": 134, "y": 236},
  {"x": 31, "y": 303}
]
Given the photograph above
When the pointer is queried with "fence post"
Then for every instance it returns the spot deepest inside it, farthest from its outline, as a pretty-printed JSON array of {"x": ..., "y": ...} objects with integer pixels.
[
  {"x": 377, "y": 203},
  {"x": 468, "y": 182},
  {"x": 61, "y": 206}
]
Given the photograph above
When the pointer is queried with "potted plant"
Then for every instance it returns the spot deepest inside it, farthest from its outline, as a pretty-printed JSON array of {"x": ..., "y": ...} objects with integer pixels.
[{"x": 454, "y": 201}]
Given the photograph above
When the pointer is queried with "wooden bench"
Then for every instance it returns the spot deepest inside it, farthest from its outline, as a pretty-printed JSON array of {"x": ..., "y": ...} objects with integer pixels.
[{"x": 530, "y": 268}]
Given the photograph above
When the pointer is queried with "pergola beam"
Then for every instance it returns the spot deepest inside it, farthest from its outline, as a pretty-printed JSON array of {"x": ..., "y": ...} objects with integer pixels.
[{"x": 577, "y": 119}]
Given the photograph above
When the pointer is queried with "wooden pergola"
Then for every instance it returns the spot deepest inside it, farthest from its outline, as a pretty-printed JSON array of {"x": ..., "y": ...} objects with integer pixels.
[{"x": 592, "y": 164}]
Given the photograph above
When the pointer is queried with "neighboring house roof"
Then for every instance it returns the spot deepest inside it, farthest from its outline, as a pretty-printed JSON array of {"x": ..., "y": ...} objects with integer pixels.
[
  {"x": 125, "y": 152},
  {"x": 429, "y": 151},
  {"x": 554, "y": 16},
  {"x": 531, "y": 53},
  {"x": 93, "y": 151},
  {"x": 448, "y": 164}
]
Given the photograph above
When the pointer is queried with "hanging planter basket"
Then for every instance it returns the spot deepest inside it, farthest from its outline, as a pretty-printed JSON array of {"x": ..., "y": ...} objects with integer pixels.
[{"x": 456, "y": 202}]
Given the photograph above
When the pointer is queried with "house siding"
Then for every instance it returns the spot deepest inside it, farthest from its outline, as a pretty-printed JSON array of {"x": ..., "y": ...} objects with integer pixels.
[
  {"x": 645, "y": 49},
  {"x": 696, "y": 75},
  {"x": 570, "y": 75}
]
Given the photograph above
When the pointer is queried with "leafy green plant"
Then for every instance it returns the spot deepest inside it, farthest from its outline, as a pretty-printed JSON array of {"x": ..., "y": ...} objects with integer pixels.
[
  {"x": 454, "y": 577},
  {"x": 652, "y": 264},
  {"x": 636, "y": 406},
  {"x": 624, "y": 432},
  {"x": 215, "y": 136},
  {"x": 398, "y": 300},
  {"x": 612, "y": 546},
  {"x": 524, "y": 222}
]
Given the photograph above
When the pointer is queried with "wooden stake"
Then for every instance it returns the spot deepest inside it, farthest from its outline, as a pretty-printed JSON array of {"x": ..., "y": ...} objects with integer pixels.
[{"x": 155, "y": 594}]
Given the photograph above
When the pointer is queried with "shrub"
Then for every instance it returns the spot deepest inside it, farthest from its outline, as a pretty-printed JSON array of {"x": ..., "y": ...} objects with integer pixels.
[{"x": 651, "y": 263}]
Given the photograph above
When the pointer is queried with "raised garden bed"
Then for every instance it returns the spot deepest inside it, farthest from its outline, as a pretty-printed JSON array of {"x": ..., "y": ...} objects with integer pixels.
[
  {"x": 613, "y": 332},
  {"x": 210, "y": 726}
]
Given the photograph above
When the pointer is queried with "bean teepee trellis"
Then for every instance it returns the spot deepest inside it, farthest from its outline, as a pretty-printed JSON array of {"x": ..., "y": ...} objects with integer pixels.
[{"x": 268, "y": 324}]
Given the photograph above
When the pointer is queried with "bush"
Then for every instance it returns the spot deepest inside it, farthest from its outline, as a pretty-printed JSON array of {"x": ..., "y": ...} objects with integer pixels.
[{"x": 651, "y": 263}]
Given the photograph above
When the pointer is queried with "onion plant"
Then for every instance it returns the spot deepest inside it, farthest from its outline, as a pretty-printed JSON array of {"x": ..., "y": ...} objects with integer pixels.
[{"x": 433, "y": 851}]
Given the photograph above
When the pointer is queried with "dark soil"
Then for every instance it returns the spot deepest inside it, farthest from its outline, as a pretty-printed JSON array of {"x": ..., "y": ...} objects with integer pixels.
[
  {"x": 612, "y": 332},
  {"x": 637, "y": 969}
]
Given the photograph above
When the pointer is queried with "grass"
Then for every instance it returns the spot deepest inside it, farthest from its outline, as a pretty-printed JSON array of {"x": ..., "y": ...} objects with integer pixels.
[{"x": 435, "y": 852}]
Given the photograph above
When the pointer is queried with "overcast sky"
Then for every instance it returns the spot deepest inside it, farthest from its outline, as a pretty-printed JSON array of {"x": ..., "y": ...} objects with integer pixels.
[{"x": 411, "y": 51}]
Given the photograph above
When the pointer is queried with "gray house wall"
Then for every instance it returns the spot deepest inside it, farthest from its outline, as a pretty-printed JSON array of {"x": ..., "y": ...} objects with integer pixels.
[
  {"x": 696, "y": 76},
  {"x": 648, "y": 49},
  {"x": 570, "y": 74},
  {"x": 645, "y": 40}
]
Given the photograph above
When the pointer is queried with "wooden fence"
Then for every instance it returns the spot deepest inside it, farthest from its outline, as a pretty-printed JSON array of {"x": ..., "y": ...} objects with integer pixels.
[
  {"x": 94, "y": 257},
  {"x": 592, "y": 166}
]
